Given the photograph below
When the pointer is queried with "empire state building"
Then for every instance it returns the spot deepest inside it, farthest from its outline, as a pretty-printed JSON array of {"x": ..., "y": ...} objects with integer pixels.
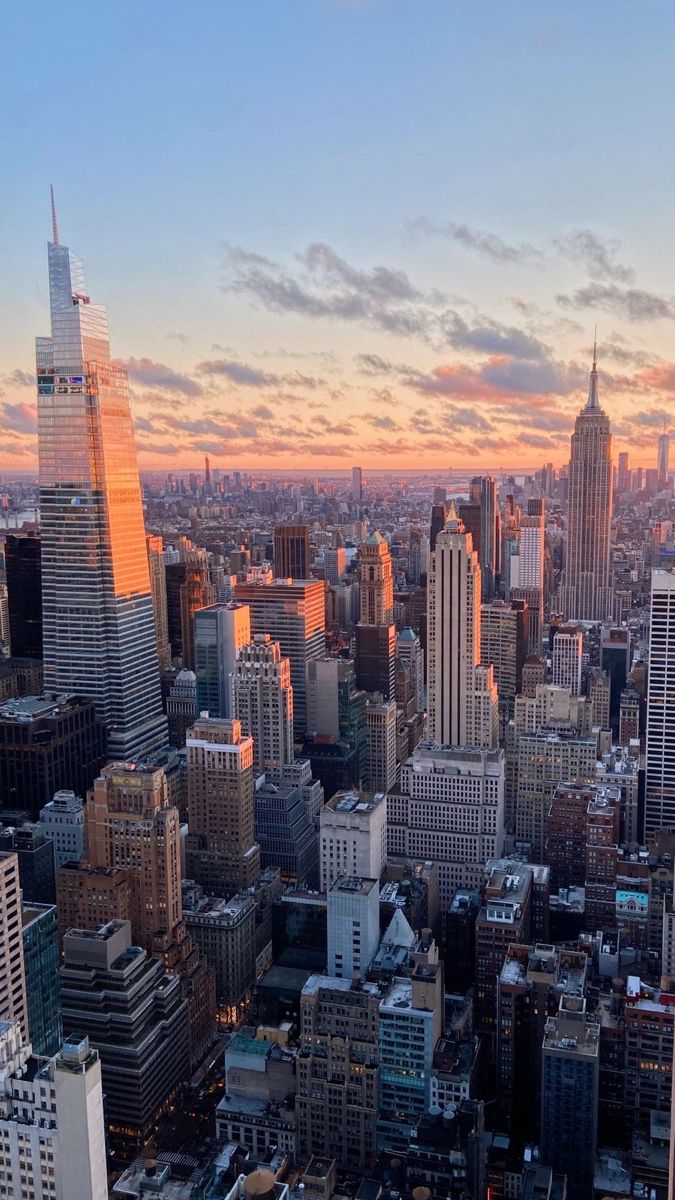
[
  {"x": 98, "y": 624},
  {"x": 585, "y": 593}
]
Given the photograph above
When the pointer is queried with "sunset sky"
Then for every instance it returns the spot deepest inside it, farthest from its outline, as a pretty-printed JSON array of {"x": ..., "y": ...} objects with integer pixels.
[{"x": 332, "y": 231}]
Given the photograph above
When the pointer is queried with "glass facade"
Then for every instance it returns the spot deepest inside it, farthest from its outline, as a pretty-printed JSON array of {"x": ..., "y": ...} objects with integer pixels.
[
  {"x": 43, "y": 981},
  {"x": 98, "y": 622}
]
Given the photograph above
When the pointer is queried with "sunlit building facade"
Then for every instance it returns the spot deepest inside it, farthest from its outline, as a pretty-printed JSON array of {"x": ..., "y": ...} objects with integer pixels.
[{"x": 98, "y": 622}]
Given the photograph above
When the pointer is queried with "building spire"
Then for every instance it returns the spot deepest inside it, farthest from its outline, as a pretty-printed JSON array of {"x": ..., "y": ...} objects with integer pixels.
[
  {"x": 55, "y": 228},
  {"x": 593, "y": 403}
]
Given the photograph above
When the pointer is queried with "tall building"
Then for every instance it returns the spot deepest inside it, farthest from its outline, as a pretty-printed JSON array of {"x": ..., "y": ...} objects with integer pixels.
[
  {"x": 222, "y": 853},
  {"x": 409, "y": 651},
  {"x": 585, "y": 592},
  {"x": 353, "y": 925},
  {"x": 294, "y": 614},
  {"x": 134, "y": 1016},
  {"x": 47, "y": 744},
  {"x": 623, "y": 474},
  {"x": 484, "y": 493},
  {"x": 449, "y": 807},
  {"x": 660, "y": 756},
  {"x": 570, "y": 1077},
  {"x": 615, "y": 656},
  {"x": 504, "y": 636},
  {"x": 663, "y": 457},
  {"x": 155, "y": 548},
  {"x": 418, "y": 556},
  {"x": 568, "y": 650},
  {"x": 439, "y": 515},
  {"x": 291, "y": 552},
  {"x": 262, "y": 699},
  {"x": 98, "y": 623},
  {"x": 375, "y": 659},
  {"x": 527, "y": 569},
  {"x": 381, "y": 723},
  {"x": 13, "y": 999},
  {"x": 546, "y": 758},
  {"x": 35, "y": 852},
  {"x": 62, "y": 820},
  {"x": 181, "y": 706},
  {"x": 357, "y": 483},
  {"x": 41, "y": 960},
  {"x": 196, "y": 592},
  {"x": 377, "y": 581},
  {"x": 286, "y": 833},
  {"x": 352, "y": 837},
  {"x": 52, "y": 1128},
  {"x": 24, "y": 594},
  {"x": 453, "y": 642},
  {"x": 220, "y": 632},
  {"x": 130, "y": 825}
]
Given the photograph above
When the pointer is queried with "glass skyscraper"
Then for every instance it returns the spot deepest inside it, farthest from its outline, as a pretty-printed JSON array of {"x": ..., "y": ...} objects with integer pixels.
[{"x": 98, "y": 624}]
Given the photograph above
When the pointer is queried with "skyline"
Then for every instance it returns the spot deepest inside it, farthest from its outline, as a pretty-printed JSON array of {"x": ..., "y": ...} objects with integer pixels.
[{"x": 365, "y": 258}]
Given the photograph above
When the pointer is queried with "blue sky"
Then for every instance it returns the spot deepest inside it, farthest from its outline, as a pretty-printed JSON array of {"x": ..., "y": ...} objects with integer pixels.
[{"x": 170, "y": 130}]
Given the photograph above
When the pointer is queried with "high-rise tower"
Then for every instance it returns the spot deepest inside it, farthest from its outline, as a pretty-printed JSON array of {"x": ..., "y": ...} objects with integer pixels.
[
  {"x": 98, "y": 623},
  {"x": 664, "y": 453},
  {"x": 585, "y": 592},
  {"x": 461, "y": 694}
]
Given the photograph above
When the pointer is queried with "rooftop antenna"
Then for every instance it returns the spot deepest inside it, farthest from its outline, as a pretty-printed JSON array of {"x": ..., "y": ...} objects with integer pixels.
[
  {"x": 55, "y": 228},
  {"x": 595, "y": 348}
]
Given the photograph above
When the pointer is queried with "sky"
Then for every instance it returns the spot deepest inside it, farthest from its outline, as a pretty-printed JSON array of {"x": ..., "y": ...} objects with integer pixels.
[{"x": 338, "y": 231}]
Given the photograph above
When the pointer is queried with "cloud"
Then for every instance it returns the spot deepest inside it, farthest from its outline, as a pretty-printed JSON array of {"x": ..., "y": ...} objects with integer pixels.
[
  {"x": 491, "y": 337},
  {"x": 654, "y": 418},
  {"x": 660, "y": 376},
  {"x": 158, "y": 375},
  {"x": 238, "y": 372},
  {"x": 633, "y": 304},
  {"x": 20, "y": 417},
  {"x": 381, "y": 422},
  {"x": 501, "y": 376},
  {"x": 19, "y": 378},
  {"x": 481, "y": 241},
  {"x": 596, "y": 254},
  {"x": 176, "y": 335},
  {"x": 466, "y": 418},
  {"x": 262, "y": 412},
  {"x": 326, "y": 286}
]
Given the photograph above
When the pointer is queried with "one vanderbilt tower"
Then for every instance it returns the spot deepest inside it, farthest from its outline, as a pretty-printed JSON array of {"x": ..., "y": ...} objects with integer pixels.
[{"x": 99, "y": 631}]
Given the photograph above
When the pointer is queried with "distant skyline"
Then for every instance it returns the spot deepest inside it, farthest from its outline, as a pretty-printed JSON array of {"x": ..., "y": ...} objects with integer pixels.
[{"x": 339, "y": 231}]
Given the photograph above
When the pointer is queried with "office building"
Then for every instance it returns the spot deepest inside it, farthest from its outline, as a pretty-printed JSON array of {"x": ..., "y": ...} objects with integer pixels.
[
  {"x": 285, "y": 832},
  {"x": 546, "y": 758},
  {"x": 62, "y": 821},
  {"x": 52, "y": 1129},
  {"x": 24, "y": 594},
  {"x": 157, "y": 569},
  {"x": 41, "y": 961},
  {"x": 418, "y": 556},
  {"x": 337, "y": 1112},
  {"x": 663, "y": 457},
  {"x": 623, "y": 475},
  {"x": 97, "y": 615},
  {"x": 598, "y": 689},
  {"x": 449, "y": 807},
  {"x": 504, "y": 639},
  {"x": 439, "y": 515},
  {"x": 336, "y": 710},
  {"x": 411, "y": 1016},
  {"x": 334, "y": 564},
  {"x": 615, "y": 656},
  {"x": 586, "y": 593},
  {"x": 409, "y": 651},
  {"x": 381, "y": 732},
  {"x": 47, "y": 743},
  {"x": 261, "y": 698},
  {"x": 293, "y": 613},
  {"x": 221, "y": 850},
  {"x": 377, "y": 581},
  {"x": 352, "y": 837},
  {"x": 484, "y": 496},
  {"x": 291, "y": 552},
  {"x": 357, "y": 483},
  {"x": 181, "y": 707},
  {"x": 568, "y": 650},
  {"x": 629, "y": 717},
  {"x": 660, "y": 754},
  {"x": 457, "y": 715},
  {"x": 224, "y": 930},
  {"x": 35, "y": 852},
  {"x": 353, "y": 925},
  {"x": 130, "y": 825},
  {"x": 13, "y": 999},
  {"x": 375, "y": 659},
  {"x": 132, "y": 1011},
  {"x": 504, "y": 919},
  {"x": 569, "y": 1111}
]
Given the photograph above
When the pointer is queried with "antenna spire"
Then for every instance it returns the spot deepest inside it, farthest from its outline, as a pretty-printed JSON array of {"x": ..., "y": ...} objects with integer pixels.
[
  {"x": 55, "y": 228},
  {"x": 595, "y": 349}
]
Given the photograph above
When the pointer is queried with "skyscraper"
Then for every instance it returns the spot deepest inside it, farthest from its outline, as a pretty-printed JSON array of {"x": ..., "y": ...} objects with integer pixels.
[
  {"x": 13, "y": 999},
  {"x": 660, "y": 773},
  {"x": 291, "y": 552},
  {"x": 664, "y": 452},
  {"x": 357, "y": 483},
  {"x": 453, "y": 641},
  {"x": 527, "y": 569},
  {"x": 262, "y": 699},
  {"x": 24, "y": 594},
  {"x": 220, "y": 632},
  {"x": 623, "y": 474},
  {"x": 377, "y": 581},
  {"x": 484, "y": 493},
  {"x": 585, "y": 592},
  {"x": 155, "y": 547},
  {"x": 98, "y": 623}
]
